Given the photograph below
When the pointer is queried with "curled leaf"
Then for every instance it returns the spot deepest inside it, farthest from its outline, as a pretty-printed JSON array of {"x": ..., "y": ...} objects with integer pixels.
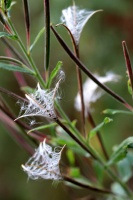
[{"x": 121, "y": 151}]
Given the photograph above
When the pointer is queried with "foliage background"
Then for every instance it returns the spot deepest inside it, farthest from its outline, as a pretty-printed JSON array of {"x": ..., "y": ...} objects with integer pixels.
[{"x": 101, "y": 51}]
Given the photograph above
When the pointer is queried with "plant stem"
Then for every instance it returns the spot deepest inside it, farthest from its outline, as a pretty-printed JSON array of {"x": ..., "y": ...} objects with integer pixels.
[
  {"x": 83, "y": 106},
  {"x": 80, "y": 88},
  {"x": 30, "y": 60},
  {"x": 27, "y": 23},
  {"x": 128, "y": 64},
  {"x": 47, "y": 36},
  {"x": 14, "y": 51},
  {"x": 74, "y": 138},
  {"x": 91, "y": 120},
  {"x": 88, "y": 73},
  {"x": 95, "y": 156},
  {"x": 79, "y": 78},
  {"x": 64, "y": 116},
  {"x": 91, "y": 188},
  {"x": 122, "y": 184}
]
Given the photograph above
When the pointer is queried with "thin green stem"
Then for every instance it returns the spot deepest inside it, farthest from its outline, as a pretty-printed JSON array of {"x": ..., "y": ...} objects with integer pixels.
[
  {"x": 29, "y": 58},
  {"x": 69, "y": 123},
  {"x": 80, "y": 88},
  {"x": 81, "y": 144},
  {"x": 91, "y": 120},
  {"x": 96, "y": 156}
]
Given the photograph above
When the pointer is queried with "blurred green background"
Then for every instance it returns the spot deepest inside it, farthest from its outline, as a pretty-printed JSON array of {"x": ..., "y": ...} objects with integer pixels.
[{"x": 101, "y": 51}]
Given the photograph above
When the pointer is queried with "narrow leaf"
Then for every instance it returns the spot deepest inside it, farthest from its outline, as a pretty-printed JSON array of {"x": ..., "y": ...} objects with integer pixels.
[
  {"x": 19, "y": 139},
  {"x": 11, "y": 67},
  {"x": 99, "y": 170},
  {"x": 13, "y": 60},
  {"x": 13, "y": 50},
  {"x": 42, "y": 127},
  {"x": 54, "y": 73},
  {"x": 7, "y": 3},
  {"x": 27, "y": 22},
  {"x": 47, "y": 35},
  {"x": 121, "y": 151},
  {"x": 27, "y": 89},
  {"x": 71, "y": 144},
  {"x": 129, "y": 86},
  {"x": 11, "y": 94},
  {"x": 2, "y": 19},
  {"x": 113, "y": 112},
  {"x": 70, "y": 157},
  {"x": 94, "y": 131},
  {"x": 37, "y": 38},
  {"x": 128, "y": 66},
  {"x": 7, "y": 35}
]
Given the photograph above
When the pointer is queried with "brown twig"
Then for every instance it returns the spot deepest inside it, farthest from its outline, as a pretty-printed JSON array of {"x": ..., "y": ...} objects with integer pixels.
[
  {"x": 128, "y": 63},
  {"x": 14, "y": 51},
  {"x": 27, "y": 23},
  {"x": 88, "y": 73},
  {"x": 47, "y": 35},
  {"x": 74, "y": 138},
  {"x": 91, "y": 188},
  {"x": 79, "y": 78}
]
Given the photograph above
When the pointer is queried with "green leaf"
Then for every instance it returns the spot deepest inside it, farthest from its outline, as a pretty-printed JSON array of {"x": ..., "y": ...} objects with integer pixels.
[
  {"x": 54, "y": 73},
  {"x": 94, "y": 131},
  {"x": 99, "y": 170},
  {"x": 27, "y": 89},
  {"x": 42, "y": 127},
  {"x": 121, "y": 151},
  {"x": 12, "y": 60},
  {"x": 11, "y": 67},
  {"x": 113, "y": 112},
  {"x": 70, "y": 157},
  {"x": 125, "y": 167},
  {"x": 37, "y": 38},
  {"x": 74, "y": 122},
  {"x": 7, "y": 3},
  {"x": 117, "y": 189},
  {"x": 11, "y": 5},
  {"x": 7, "y": 35},
  {"x": 74, "y": 172},
  {"x": 129, "y": 87},
  {"x": 66, "y": 140}
]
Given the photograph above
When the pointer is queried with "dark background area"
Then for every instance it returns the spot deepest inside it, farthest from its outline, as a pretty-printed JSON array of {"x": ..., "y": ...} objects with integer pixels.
[{"x": 100, "y": 51}]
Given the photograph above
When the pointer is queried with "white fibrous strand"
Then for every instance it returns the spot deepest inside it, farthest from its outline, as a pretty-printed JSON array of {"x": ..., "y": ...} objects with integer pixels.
[
  {"x": 75, "y": 20},
  {"x": 40, "y": 103},
  {"x": 92, "y": 92},
  {"x": 44, "y": 163}
]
